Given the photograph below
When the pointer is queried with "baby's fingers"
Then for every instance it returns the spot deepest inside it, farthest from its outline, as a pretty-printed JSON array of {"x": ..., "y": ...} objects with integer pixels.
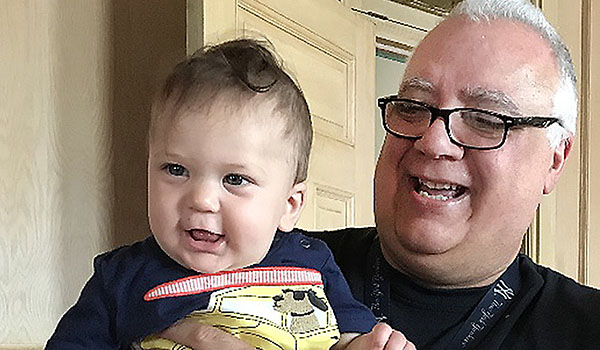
[
  {"x": 398, "y": 341},
  {"x": 383, "y": 337}
]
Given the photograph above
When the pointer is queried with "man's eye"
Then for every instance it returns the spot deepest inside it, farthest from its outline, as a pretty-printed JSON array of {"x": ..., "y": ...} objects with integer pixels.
[
  {"x": 235, "y": 180},
  {"x": 175, "y": 169},
  {"x": 409, "y": 112},
  {"x": 482, "y": 121},
  {"x": 405, "y": 108}
]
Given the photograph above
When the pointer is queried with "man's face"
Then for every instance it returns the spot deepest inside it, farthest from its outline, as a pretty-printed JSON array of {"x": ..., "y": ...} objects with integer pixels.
[
  {"x": 220, "y": 186},
  {"x": 469, "y": 234}
]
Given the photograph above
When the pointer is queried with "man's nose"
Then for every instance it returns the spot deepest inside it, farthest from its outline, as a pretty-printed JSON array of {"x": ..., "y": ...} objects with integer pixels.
[
  {"x": 436, "y": 143},
  {"x": 204, "y": 196}
]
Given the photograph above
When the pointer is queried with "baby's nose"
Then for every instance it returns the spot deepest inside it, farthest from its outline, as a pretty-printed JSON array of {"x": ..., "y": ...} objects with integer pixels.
[{"x": 204, "y": 197}]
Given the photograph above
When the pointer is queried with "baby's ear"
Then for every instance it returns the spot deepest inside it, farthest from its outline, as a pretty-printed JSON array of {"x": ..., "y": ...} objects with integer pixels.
[{"x": 293, "y": 207}]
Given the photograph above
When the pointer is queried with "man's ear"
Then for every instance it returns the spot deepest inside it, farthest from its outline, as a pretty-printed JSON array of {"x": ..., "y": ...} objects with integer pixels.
[
  {"x": 558, "y": 163},
  {"x": 293, "y": 207}
]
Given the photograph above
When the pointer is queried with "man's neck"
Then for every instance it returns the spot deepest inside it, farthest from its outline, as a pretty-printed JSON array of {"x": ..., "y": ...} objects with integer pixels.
[{"x": 441, "y": 280}]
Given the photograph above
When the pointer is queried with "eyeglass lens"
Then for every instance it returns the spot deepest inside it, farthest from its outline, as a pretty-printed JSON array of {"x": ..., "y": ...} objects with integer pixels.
[{"x": 467, "y": 127}]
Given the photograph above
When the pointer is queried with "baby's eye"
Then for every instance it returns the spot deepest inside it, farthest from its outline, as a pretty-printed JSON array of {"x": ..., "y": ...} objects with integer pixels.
[
  {"x": 235, "y": 180},
  {"x": 175, "y": 169}
]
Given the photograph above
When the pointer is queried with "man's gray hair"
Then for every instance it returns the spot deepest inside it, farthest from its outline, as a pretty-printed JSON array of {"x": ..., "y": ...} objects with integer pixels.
[{"x": 564, "y": 102}]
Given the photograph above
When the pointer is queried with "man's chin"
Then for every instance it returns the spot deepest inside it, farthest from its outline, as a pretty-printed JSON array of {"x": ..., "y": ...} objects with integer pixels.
[{"x": 426, "y": 240}]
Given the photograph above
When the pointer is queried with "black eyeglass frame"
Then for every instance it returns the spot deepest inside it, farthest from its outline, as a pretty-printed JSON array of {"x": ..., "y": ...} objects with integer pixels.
[{"x": 508, "y": 121}]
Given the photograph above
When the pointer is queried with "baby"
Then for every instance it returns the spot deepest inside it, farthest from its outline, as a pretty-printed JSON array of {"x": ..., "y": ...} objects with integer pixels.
[{"x": 229, "y": 142}]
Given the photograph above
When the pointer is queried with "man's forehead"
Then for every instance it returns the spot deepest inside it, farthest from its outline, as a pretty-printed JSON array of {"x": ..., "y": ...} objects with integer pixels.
[
  {"x": 474, "y": 95},
  {"x": 490, "y": 63},
  {"x": 484, "y": 42}
]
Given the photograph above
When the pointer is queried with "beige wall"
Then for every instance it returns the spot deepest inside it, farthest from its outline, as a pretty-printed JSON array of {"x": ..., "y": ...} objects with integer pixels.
[
  {"x": 594, "y": 123},
  {"x": 77, "y": 78},
  {"x": 569, "y": 232}
]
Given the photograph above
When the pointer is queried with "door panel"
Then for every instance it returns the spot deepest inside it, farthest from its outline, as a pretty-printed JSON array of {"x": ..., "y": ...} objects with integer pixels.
[
  {"x": 330, "y": 51},
  {"x": 327, "y": 66}
]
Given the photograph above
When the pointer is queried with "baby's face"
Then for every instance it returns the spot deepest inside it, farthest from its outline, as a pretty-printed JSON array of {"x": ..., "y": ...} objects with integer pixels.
[{"x": 220, "y": 186}]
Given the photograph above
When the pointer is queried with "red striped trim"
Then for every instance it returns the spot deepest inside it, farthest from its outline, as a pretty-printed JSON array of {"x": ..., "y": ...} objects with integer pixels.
[{"x": 258, "y": 276}]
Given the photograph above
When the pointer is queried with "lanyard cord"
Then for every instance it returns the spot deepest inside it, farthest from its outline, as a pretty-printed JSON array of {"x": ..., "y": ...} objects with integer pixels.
[
  {"x": 378, "y": 288},
  {"x": 481, "y": 320},
  {"x": 489, "y": 310}
]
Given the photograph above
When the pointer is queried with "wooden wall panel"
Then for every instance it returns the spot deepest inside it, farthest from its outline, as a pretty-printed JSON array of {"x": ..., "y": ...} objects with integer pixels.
[
  {"x": 54, "y": 170},
  {"x": 559, "y": 212},
  {"x": 593, "y": 28},
  {"x": 74, "y": 76},
  {"x": 569, "y": 233}
]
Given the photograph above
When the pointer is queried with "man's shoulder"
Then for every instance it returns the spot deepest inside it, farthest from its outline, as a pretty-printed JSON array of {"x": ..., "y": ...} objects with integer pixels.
[
  {"x": 353, "y": 240},
  {"x": 562, "y": 302},
  {"x": 562, "y": 290},
  {"x": 557, "y": 312}
]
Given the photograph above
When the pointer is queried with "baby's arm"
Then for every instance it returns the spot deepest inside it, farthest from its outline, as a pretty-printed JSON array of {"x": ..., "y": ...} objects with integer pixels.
[
  {"x": 86, "y": 325},
  {"x": 382, "y": 337}
]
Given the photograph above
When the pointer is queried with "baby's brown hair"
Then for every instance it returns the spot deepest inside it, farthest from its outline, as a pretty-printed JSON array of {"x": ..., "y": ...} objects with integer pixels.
[{"x": 237, "y": 72}]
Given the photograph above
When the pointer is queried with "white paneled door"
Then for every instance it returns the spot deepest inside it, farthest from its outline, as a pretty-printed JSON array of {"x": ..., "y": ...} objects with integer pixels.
[{"x": 331, "y": 52}]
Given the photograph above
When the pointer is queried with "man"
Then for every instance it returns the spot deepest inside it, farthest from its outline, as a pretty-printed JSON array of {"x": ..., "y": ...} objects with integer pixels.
[{"x": 480, "y": 129}]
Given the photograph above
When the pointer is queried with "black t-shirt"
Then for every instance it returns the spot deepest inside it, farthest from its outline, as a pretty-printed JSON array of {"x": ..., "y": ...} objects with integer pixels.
[
  {"x": 412, "y": 307},
  {"x": 551, "y": 311},
  {"x": 112, "y": 311}
]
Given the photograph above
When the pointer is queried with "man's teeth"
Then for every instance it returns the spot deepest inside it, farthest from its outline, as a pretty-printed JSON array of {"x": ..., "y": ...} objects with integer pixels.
[
  {"x": 436, "y": 186},
  {"x": 439, "y": 197},
  {"x": 438, "y": 191}
]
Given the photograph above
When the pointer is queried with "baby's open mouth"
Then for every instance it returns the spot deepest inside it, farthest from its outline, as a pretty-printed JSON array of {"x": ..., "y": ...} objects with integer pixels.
[
  {"x": 438, "y": 191},
  {"x": 204, "y": 235}
]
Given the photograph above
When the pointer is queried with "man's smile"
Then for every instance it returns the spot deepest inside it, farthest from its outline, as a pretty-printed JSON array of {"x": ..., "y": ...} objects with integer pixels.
[{"x": 438, "y": 190}]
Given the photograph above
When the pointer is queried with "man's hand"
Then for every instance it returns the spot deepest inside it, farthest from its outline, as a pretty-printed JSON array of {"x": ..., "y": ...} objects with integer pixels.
[
  {"x": 199, "y": 336},
  {"x": 382, "y": 337}
]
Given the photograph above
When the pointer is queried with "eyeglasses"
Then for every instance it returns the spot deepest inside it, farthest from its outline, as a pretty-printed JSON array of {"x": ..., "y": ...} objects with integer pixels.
[{"x": 467, "y": 127}]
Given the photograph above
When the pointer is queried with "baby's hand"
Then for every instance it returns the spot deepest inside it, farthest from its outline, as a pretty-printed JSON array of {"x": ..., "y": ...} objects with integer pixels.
[{"x": 382, "y": 337}]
